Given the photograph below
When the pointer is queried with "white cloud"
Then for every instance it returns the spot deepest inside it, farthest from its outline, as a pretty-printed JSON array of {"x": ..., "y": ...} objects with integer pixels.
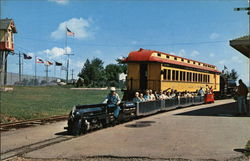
[
  {"x": 134, "y": 42},
  {"x": 214, "y": 36},
  {"x": 211, "y": 54},
  {"x": 57, "y": 52},
  {"x": 61, "y": 2},
  {"x": 182, "y": 53},
  {"x": 97, "y": 52},
  {"x": 81, "y": 28},
  {"x": 235, "y": 59},
  {"x": 194, "y": 53},
  {"x": 222, "y": 62},
  {"x": 79, "y": 64}
]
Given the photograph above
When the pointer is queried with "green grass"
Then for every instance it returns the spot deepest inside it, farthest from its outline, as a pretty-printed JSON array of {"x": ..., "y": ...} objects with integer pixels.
[
  {"x": 37, "y": 102},
  {"x": 248, "y": 148}
]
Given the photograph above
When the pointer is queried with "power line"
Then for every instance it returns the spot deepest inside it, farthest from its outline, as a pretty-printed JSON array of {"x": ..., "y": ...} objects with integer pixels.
[{"x": 132, "y": 45}]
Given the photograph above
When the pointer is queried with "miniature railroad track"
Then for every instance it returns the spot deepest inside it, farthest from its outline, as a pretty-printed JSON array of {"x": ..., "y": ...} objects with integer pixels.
[
  {"x": 31, "y": 147},
  {"x": 28, "y": 123}
]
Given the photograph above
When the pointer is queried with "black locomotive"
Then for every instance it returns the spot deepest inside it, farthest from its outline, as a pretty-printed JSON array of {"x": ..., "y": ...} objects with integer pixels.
[{"x": 84, "y": 118}]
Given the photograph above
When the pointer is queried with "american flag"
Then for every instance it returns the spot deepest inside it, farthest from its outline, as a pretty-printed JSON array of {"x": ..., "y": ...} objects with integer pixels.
[
  {"x": 48, "y": 63},
  {"x": 38, "y": 60},
  {"x": 70, "y": 33}
]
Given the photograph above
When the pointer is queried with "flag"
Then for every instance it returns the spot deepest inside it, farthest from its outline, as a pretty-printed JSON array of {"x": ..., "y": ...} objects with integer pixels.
[
  {"x": 58, "y": 64},
  {"x": 225, "y": 67},
  {"x": 25, "y": 56},
  {"x": 70, "y": 33},
  {"x": 48, "y": 63},
  {"x": 38, "y": 60}
]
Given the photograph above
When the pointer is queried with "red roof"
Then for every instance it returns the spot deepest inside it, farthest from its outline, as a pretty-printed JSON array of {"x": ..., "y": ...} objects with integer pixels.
[{"x": 146, "y": 55}]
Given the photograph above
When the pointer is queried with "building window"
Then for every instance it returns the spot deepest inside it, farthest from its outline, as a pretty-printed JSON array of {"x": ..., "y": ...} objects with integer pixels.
[
  {"x": 182, "y": 59},
  {"x": 190, "y": 77},
  {"x": 188, "y": 61},
  {"x": 169, "y": 74},
  {"x": 175, "y": 58},
  {"x": 204, "y": 78},
  {"x": 173, "y": 74},
  {"x": 194, "y": 62},
  {"x": 165, "y": 74},
  {"x": 177, "y": 75},
  {"x": 167, "y": 56},
  {"x": 184, "y": 76},
  {"x": 181, "y": 75},
  {"x": 208, "y": 80},
  {"x": 199, "y": 77},
  {"x": 158, "y": 54}
]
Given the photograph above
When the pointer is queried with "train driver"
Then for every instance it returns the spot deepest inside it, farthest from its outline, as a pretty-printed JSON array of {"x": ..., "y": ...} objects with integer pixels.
[{"x": 113, "y": 98}]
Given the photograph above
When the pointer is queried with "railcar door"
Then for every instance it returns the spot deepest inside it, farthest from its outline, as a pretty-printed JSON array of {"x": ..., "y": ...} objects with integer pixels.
[{"x": 143, "y": 76}]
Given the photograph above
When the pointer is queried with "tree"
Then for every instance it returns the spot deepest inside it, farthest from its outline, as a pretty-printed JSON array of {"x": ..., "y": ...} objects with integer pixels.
[
  {"x": 93, "y": 73},
  {"x": 112, "y": 74},
  {"x": 231, "y": 75},
  {"x": 123, "y": 66}
]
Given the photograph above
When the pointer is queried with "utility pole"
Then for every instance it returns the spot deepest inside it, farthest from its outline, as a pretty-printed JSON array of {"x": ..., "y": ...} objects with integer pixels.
[
  {"x": 46, "y": 70},
  {"x": 35, "y": 72},
  {"x": 67, "y": 72},
  {"x": 248, "y": 12},
  {"x": 19, "y": 76},
  {"x": 72, "y": 74}
]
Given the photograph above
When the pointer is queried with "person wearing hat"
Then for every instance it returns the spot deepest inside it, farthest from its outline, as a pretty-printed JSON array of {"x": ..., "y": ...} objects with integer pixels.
[{"x": 113, "y": 98}]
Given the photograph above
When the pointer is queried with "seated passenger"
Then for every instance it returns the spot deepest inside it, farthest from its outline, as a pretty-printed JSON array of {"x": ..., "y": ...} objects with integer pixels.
[
  {"x": 137, "y": 97},
  {"x": 211, "y": 90},
  {"x": 141, "y": 97},
  {"x": 201, "y": 92},
  {"x": 161, "y": 95},
  {"x": 172, "y": 93},
  {"x": 147, "y": 96},
  {"x": 152, "y": 95},
  {"x": 113, "y": 98}
]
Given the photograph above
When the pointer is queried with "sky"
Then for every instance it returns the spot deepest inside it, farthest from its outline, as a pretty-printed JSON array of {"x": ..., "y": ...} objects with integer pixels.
[{"x": 111, "y": 29}]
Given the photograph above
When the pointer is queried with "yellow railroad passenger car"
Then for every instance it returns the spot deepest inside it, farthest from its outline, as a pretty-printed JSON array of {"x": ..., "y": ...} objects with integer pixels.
[{"x": 149, "y": 69}]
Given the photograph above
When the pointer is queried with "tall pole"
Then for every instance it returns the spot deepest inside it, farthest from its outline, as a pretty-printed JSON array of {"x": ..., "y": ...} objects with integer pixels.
[
  {"x": 19, "y": 67},
  {"x": 67, "y": 72},
  {"x": 55, "y": 70},
  {"x": 46, "y": 70},
  {"x": 22, "y": 67},
  {"x": 35, "y": 72},
  {"x": 72, "y": 74}
]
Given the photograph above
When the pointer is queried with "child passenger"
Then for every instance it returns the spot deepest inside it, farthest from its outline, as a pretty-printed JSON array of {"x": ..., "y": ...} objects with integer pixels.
[{"x": 137, "y": 97}]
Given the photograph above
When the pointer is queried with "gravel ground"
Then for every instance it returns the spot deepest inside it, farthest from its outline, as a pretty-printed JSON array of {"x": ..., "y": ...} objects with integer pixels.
[{"x": 243, "y": 158}]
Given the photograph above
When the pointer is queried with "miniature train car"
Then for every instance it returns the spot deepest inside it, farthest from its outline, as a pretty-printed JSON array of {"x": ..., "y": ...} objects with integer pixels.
[{"x": 84, "y": 118}]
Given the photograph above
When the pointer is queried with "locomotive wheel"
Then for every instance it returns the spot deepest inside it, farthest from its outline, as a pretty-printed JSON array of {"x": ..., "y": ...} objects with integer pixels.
[{"x": 76, "y": 127}]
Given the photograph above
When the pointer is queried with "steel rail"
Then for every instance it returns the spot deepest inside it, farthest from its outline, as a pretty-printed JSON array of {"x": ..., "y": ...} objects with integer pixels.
[{"x": 28, "y": 123}]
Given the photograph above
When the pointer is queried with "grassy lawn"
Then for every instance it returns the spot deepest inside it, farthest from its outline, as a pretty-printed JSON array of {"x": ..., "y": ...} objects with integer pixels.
[
  {"x": 248, "y": 148},
  {"x": 36, "y": 102}
]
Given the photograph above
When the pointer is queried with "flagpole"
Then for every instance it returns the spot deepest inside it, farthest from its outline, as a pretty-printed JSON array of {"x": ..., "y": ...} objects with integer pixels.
[
  {"x": 22, "y": 67},
  {"x": 35, "y": 71},
  {"x": 67, "y": 71},
  {"x": 55, "y": 70}
]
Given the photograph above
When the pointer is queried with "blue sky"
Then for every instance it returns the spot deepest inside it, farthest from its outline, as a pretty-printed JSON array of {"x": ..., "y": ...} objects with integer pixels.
[{"x": 109, "y": 29}]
